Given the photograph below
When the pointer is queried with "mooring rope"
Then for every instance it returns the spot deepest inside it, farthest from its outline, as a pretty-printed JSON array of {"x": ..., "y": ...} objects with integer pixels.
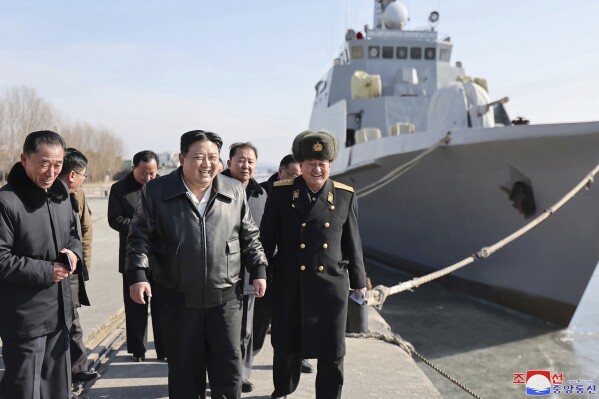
[
  {"x": 377, "y": 296},
  {"x": 410, "y": 350},
  {"x": 400, "y": 170}
]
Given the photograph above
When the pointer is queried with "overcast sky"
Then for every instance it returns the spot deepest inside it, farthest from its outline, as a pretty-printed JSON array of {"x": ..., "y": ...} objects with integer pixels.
[{"x": 151, "y": 70}]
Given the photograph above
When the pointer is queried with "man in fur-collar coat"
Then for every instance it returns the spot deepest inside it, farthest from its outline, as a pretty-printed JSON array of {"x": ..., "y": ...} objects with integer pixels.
[{"x": 39, "y": 249}]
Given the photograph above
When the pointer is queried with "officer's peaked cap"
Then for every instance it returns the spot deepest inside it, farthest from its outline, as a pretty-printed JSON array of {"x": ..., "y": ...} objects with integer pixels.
[{"x": 321, "y": 145}]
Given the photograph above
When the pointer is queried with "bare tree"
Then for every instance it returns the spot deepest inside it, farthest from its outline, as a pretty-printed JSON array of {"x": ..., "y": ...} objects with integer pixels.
[{"x": 22, "y": 111}]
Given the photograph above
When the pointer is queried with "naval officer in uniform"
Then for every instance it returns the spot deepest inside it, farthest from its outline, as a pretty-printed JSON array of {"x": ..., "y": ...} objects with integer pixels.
[{"x": 309, "y": 231}]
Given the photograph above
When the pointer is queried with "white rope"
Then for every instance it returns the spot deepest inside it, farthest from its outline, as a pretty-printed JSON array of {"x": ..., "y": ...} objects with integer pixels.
[
  {"x": 400, "y": 170},
  {"x": 377, "y": 296}
]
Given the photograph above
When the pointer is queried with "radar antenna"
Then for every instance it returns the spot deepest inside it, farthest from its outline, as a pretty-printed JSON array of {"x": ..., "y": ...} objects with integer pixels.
[{"x": 433, "y": 19}]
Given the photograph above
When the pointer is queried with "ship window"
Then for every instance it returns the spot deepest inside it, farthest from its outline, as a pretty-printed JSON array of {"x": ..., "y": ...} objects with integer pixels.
[
  {"x": 357, "y": 52},
  {"x": 402, "y": 53},
  {"x": 429, "y": 53},
  {"x": 416, "y": 53},
  {"x": 374, "y": 51},
  {"x": 387, "y": 52},
  {"x": 444, "y": 54}
]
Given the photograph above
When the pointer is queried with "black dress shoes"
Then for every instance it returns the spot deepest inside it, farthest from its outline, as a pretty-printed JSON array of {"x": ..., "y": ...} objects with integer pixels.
[
  {"x": 307, "y": 367},
  {"x": 85, "y": 376},
  {"x": 247, "y": 386},
  {"x": 139, "y": 357},
  {"x": 275, "y": 395}
]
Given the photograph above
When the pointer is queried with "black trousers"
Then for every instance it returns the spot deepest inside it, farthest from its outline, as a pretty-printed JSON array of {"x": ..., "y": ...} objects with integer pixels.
[
  {"x": 200, "y": 339},
  {"x": 247, "y": 350},
  {"x": 78, "y": 351},
  {"x": 286, "y": 371},
  {"x": 262, "y": 315},
  {"x": 37, "y": 368},
  {"x": 136, "y": 318},
  {"x": 77, "y": 347}
]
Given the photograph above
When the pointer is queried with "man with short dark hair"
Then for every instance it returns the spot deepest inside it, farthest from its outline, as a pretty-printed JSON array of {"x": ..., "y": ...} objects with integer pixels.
[
  {"x": 310, "y": 235},
  {"x": 39, "y": 249},
  {"x": 194, "y": 230},
  {"x": 122, "y": 201},
  {"x": 243, "y": 157},
  {"x": 73, "y": 175},
  {"x": 288, "y": 169}
]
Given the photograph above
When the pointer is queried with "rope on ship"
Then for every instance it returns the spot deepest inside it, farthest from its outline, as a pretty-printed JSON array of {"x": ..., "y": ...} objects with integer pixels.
[
  {"x": 410, "y": 350},
  {"x": 377, "y": 296},
  {"x": 400, "y": 170}
]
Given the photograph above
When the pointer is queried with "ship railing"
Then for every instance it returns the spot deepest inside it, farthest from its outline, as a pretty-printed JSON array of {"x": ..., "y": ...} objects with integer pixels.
[{"x": 411, "y": 34}]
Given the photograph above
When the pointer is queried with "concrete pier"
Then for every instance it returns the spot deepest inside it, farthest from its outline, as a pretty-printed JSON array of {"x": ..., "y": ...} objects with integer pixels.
[{"x": 373, "y": 368}]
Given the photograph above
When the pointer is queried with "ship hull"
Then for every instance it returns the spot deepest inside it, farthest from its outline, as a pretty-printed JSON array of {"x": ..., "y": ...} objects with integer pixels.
[{"x": 451, "y": 204}]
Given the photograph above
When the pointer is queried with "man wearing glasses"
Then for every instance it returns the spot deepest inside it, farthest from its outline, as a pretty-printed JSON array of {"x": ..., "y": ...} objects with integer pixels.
[
  {"x": 288, "y": 169},
  {"x": 73, "y": 175},
  {"x": 310, "y": 235}
]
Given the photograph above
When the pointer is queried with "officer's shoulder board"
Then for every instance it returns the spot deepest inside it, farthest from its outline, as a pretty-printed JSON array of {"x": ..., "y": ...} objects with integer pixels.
[
  {"x": 343, "y": 186},
  {"x": 284, "y": 182}
]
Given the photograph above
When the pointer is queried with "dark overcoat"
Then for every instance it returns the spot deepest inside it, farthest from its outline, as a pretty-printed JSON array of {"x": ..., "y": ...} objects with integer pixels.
[
  {"x": 316, "y": 255},
  {"x": 35, "y": 225},
  {"x": 122, "y": 201}
]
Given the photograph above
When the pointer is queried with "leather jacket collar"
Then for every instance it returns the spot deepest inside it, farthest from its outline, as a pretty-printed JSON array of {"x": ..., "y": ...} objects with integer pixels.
[{"x": 174, "y": 186}]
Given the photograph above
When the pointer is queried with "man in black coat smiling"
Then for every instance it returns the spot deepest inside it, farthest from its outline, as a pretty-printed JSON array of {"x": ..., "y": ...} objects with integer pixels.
[
  {"x": 39, "y": 249},
  {"x": 310, "y": 235}
]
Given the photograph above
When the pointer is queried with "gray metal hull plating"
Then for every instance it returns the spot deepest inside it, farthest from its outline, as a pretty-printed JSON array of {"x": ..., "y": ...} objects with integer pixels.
[{"x": 450, "y": 205}]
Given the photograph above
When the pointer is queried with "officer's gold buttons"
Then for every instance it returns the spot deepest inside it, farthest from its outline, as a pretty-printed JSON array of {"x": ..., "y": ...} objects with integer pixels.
[
  {"x": 313, "y": 199},
  {"x": 302, "y": 245},
  {"x": 325, "y": 245},
  {"x": 302, "y": 267},
  {"x": 320, "y": 268},
  {"x": 293, "y": 205},
  {"x": 303, "y": 224},
  {"x": 327, "y": 225},
  {"x": 332, "y": 207}
]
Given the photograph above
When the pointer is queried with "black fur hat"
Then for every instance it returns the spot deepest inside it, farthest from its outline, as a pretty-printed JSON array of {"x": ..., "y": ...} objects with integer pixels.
[{"x": 319, "y": 145}]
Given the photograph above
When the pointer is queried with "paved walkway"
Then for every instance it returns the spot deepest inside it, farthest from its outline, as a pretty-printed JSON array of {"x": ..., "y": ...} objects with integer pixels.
[{"x": 373, "y": 369}]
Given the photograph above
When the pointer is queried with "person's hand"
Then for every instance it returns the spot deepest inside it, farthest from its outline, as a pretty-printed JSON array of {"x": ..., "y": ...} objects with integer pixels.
[
  {"x": 358, "y": 292},
  {"x": 260, "y": 287},
  {"x": 137, "y": 291},
  {"x": 59, "y": 272},
  {"x": 72, "y": 258}
]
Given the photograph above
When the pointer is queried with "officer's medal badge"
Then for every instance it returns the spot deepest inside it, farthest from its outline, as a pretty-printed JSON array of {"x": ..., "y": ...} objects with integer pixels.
[
  {"x": 330, "y": 197},
  {"x": 295, "y": 194}
]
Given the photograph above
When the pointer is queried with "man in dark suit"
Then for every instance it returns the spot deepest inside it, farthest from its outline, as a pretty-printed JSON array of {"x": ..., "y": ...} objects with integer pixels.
[
  {"x": 39, "y": 249},
  {"x": 123, "y": 199},
  {"x": 288, "y": 169},
  {"x": 310, "y": 235},
  {"x": 73, "y": 175},
  {"x": 243, "y": 157}
]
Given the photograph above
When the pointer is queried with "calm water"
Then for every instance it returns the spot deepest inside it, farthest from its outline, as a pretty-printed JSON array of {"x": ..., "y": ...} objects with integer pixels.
[{"x": 483, "y": 345}]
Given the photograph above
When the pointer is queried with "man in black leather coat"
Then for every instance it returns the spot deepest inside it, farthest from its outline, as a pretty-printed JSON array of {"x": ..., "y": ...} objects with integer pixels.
[{"x": 194, "y": 230}]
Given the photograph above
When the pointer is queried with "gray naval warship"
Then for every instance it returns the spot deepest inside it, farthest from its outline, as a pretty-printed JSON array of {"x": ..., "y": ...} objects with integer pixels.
[{"x": 393, "y": 93}]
